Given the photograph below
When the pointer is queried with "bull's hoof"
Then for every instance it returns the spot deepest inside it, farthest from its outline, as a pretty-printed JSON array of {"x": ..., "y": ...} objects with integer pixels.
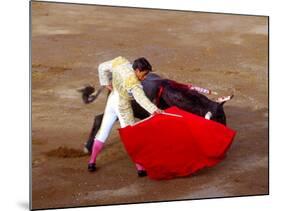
[
  {"x": 208, "y": 115},
  {"x": 85, "y": 150},
  {"x": 92, "y": 167},
  {"x": 142, "y": 173}
]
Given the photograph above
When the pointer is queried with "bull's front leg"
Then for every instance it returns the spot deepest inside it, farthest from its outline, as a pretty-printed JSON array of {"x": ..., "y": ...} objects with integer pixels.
[
  {"x": 96, "y": 126},
  {"x": 139, "y": 113}
]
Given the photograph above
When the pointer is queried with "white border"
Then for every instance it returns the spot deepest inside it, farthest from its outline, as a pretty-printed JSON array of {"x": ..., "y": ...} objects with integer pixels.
[{"x": 14, "y": 110}]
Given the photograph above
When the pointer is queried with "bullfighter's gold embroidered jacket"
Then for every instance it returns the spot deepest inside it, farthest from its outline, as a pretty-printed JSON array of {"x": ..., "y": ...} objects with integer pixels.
[{"x": 120, "y": 74}]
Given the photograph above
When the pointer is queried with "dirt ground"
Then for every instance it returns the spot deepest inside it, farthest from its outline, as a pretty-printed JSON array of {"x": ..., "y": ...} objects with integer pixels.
[{"x": 226, "y": 53}]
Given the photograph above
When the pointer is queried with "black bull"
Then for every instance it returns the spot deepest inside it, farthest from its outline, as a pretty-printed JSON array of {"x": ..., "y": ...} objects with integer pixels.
[{"x": 164, "y": 93}]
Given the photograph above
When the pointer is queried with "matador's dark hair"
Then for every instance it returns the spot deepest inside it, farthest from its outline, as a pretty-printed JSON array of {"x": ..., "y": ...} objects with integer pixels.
[{"x": 142, "y": 64}]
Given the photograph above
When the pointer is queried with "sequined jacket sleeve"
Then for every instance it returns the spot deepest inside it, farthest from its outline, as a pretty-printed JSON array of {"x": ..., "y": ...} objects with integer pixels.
[
  {"x": 133, "y": 86},
  {"x": 105, "y": 73}
]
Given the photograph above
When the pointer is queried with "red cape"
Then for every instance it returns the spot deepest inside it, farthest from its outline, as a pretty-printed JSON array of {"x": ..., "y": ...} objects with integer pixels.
[{"x": 169, "y": 146}]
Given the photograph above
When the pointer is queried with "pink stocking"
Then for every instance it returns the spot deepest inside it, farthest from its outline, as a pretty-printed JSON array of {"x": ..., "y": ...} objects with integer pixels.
[
  {"x": 97, "y": 147},
  {"x": 139, "y": 167}
]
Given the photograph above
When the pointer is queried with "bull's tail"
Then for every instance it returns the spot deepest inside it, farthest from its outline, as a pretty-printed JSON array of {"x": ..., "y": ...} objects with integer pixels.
[
  {"x": 88, "y": 93},
  {"x": 228, "y": 99}
]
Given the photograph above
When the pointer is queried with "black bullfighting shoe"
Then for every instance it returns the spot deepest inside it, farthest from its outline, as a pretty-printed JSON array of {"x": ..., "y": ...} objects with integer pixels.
[
  {"x": 92, "y": 167},
  {"x": 142, "y": 173}
]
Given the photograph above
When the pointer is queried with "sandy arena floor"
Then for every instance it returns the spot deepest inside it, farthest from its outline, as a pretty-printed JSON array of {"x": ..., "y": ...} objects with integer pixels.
[{"x": 226, "y": 53}]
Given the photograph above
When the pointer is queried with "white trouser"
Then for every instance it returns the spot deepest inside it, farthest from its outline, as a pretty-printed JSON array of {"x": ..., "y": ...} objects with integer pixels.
[{"x": 111, "y": 114}]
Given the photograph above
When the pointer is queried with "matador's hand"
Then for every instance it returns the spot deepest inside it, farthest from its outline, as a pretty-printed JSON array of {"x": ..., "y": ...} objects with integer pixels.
[
  {"x": 158, "y": 111},
  {"x": 109, "y": 87}
]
